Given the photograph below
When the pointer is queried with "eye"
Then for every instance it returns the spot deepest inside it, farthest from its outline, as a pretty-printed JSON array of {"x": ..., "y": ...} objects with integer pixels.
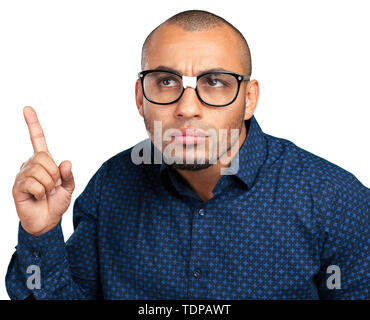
[
  {"x": 168, "y": 82},
  {"x": 214, "y": 82}
]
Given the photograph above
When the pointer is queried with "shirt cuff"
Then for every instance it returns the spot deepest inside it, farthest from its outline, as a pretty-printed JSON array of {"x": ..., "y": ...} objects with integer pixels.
[{"x": 46, "y": 250}]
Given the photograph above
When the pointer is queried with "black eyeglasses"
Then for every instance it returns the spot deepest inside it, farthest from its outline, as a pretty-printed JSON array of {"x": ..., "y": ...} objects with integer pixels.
[{"x": 217, "y": 89}]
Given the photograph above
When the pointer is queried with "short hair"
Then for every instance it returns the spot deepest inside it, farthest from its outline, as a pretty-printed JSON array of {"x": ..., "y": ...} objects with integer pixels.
[{"x": 199, "y": 20}]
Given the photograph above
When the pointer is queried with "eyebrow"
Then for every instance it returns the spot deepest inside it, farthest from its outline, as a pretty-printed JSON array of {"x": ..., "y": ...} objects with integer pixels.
[{"x": 165, "y": 68}]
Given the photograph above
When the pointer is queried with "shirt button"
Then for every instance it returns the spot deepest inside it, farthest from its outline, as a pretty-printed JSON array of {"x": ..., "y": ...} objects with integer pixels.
[
  {"x": 201, "y": 212},
  {"x": 196, "y": 274}
]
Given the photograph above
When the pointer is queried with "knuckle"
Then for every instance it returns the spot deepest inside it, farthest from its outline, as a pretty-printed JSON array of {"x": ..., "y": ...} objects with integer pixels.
[
  {"x": 35, "y": 169},
  {"x": 15, "y": 186},
  {"x": 17, "y": 183},
  {"x": 18, "y": 175},
  {"x": 43, "y": 154},
  {"x": 39, "y": 189},
  {"x": 44, "y": 159},
  {"x": 25, "y": 168},
  {"x": 28, "y": 181},
  {"x": 14, "y": 191},
  {"x": 32, "y": 158},
  {"x": 22, "y": 165},
  {"x": 26, "y": 163},
  {"x": 55, "y": 173},
  {"x": 39, "y": 194},
  {"x": 18, "y": 179},
  {"x": 38, "y": 156},
  {"x": 50, "y": 185}
]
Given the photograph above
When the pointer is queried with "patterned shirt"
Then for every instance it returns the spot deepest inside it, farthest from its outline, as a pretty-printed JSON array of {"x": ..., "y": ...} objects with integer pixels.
[{"x": 287, "y": 225}]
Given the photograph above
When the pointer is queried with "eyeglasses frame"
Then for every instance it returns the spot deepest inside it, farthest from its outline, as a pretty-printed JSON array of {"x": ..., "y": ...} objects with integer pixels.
[{"x": 237, "y": 76}]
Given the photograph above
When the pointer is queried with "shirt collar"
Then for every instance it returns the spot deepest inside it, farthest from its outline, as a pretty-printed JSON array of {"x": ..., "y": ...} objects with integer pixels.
[{"x": 252, "y": 154}]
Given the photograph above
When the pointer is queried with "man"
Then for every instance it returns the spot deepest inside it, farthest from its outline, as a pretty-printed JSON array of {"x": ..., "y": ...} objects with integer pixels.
[{"x": 223, "y": 216}]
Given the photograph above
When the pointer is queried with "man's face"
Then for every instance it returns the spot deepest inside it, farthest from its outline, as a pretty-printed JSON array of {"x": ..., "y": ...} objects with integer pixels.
[{"x": 191, "y": 53}]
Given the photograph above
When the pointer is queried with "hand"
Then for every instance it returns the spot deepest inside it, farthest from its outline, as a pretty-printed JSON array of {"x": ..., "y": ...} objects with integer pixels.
[{"x": 42, "y": 191}]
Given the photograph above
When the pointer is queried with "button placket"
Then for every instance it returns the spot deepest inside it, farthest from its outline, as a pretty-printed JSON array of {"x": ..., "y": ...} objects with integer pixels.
[{"x": 198, "y": 264}]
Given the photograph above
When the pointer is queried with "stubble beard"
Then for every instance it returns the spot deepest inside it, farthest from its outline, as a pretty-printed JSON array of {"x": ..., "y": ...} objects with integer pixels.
[{"x": 206, "y": 162}]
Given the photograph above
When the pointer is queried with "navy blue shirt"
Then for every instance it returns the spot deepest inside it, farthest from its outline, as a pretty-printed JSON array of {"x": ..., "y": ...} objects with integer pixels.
[{"x": 273, "y": 230}]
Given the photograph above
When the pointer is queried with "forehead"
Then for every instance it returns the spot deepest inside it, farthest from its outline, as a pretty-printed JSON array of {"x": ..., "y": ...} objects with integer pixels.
[{"x": 192, "y": 52}]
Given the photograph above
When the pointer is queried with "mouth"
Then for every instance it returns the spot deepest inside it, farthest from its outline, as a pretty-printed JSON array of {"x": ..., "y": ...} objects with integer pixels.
[{"x": 189, "y": 136}]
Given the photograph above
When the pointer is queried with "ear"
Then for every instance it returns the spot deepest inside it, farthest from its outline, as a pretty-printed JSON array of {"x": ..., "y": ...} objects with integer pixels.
[
  {"x": 139, "y": 97},
  {"x": 251, "y": 98}
]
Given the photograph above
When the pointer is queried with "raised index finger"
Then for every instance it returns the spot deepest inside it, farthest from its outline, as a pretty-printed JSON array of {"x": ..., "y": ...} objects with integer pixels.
[{"x": 36, "y": 133}]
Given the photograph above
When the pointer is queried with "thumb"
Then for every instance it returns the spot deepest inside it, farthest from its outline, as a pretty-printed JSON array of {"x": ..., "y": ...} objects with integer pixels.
[{"x": 68, "y": 181}]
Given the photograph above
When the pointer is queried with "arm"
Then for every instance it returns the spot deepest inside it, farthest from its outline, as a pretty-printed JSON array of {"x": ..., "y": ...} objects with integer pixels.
[
  {"x": 346, "y": 245},
  {"x": 68, "y": 271}
]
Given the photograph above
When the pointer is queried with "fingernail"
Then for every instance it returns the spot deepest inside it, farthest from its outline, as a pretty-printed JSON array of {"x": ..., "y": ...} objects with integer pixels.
[
  {"x": 52, "y": 191},
  {"x": 59, "y": 182},
  {"x": 44, "y": 197}
]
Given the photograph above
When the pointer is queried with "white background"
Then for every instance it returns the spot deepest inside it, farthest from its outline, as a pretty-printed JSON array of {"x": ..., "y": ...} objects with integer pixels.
[{"x": 76, "y": 63}]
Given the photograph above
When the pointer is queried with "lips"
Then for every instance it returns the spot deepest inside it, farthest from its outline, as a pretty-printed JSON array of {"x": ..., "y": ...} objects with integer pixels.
[
  {"x": 189, "y": 136},
  {"x": 193, "y": 132}
]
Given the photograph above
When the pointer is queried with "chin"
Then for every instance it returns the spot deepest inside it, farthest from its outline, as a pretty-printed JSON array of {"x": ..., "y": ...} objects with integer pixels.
[{"x": 190, "y": 166}]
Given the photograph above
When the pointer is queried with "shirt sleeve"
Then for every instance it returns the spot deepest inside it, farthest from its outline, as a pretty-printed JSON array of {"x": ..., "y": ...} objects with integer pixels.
[
  {"x": 45, "y": 267},
  {"x": 345, "y": 272}
]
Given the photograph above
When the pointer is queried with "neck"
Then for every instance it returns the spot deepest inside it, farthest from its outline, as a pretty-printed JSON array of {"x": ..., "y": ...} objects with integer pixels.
[{"x": 202, "y": 182}]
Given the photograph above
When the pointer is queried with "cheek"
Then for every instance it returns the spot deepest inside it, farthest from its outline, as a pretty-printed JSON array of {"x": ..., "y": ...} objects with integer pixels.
[
  {"x": 156, "y": 112},
  {"x": 156, "y": 117},
  {"x": 229, "y": 118}
]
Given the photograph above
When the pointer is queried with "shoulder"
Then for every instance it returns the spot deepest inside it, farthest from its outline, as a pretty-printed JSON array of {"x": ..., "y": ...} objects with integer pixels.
[
  {"x": 305, "y": 165},
  {"x": 335, "y": 193}
]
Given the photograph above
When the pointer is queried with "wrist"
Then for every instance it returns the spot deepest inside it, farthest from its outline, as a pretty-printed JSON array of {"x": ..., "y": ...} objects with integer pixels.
[{"x": 40, "y": 232}]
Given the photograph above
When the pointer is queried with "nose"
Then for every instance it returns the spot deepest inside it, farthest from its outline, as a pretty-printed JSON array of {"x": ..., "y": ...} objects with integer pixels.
[{"x": 189, "y": 106}]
